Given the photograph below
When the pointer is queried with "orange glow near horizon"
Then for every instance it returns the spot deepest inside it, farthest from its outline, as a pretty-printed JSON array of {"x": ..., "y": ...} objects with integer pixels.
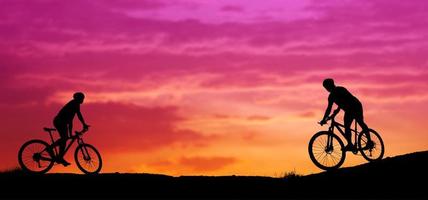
[{"x": 192, "y": 88}]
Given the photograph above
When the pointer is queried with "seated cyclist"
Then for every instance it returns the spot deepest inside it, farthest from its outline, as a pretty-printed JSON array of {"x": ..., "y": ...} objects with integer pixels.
[
  {"x": 63, "y": 122},
  {"x": 347, "y": 102}
]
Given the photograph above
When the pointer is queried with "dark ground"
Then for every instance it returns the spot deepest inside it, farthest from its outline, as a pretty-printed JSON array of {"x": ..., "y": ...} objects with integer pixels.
[{"x": 402, "y": 177}]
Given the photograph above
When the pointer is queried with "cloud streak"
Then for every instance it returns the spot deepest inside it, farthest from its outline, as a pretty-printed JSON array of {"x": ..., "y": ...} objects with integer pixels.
[{"x": 192, "y": 76}]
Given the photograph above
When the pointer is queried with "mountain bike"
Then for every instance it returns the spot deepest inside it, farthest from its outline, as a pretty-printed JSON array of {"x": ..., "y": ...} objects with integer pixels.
[
  {"x": 327, "y": 152},
  {"x": 37, "y": 156}
]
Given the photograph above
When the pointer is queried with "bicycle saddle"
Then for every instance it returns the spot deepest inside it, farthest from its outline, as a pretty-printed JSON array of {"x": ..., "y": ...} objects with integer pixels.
[{"x": 49, "y": 129}]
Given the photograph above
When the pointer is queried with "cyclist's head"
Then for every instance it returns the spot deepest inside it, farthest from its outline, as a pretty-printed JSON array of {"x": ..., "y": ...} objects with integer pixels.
[
  {"x": 328, "y": 84},
  {"x": 79, "y": 97}
]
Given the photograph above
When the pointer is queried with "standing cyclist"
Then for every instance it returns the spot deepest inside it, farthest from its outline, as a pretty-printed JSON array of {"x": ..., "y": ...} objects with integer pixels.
[{"x": 350, "y": 104}]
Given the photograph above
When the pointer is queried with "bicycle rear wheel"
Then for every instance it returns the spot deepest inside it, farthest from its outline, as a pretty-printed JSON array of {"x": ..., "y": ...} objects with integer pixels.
[
  {"x": 88, "y": 159},
  {"x": 34, "y": 157},
  {"x": 325, "y": 150},
  {"x": 373, "y": 150}
]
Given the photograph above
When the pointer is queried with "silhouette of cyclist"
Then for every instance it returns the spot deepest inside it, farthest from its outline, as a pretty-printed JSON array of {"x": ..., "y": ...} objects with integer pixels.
[
  {"x": 347, "y": 102},
  {"x": 63, "y": 122}
]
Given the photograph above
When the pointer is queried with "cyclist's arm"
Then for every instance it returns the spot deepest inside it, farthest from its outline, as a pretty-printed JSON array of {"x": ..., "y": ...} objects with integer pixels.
[
  {"x": 336, "y": 111},
  {"x": 328, "y": 110},
  {"x": 79, "y": 115}
]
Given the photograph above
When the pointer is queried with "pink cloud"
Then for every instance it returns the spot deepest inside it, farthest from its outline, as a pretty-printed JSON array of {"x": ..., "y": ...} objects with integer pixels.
[
  {"x": 139, "y": 128},
  {"x": 308, "y": 114},
  {"x": 258, "y": 118},
  {"x": 160, "y": 71},
  {"x": 133, "y": 4},
  {"x": 231, "y": 8}
]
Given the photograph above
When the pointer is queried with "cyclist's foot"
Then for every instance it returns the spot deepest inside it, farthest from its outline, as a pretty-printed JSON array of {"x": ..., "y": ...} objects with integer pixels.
[
  {"x": 349, "y": 147},
  {"x": 369, "y": 145},
  {"x": 63, "y": 162}
]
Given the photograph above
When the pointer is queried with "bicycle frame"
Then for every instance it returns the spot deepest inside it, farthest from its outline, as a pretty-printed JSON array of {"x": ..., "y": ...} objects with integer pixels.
[
  {"x": 340, "y": 127},
  {"x": 77, "y": 136}
]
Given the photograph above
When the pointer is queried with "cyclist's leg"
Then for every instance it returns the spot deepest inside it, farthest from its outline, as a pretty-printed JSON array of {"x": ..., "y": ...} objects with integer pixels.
[
  {"x": 61, "y": 127},
  {"x": 359, "y": 118},
  {"x": 347, "y": 121}
]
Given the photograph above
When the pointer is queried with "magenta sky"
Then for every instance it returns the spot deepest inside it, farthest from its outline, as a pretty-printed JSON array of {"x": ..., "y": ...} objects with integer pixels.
[{"x": 215, "y": 86}]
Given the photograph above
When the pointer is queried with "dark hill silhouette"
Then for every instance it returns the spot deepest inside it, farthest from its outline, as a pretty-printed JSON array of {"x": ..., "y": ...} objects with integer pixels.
[{"x": 404, "y": 176}]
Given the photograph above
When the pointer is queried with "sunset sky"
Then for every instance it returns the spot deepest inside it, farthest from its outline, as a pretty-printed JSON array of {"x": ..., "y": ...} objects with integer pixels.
[{"x": 211, "y": 87}]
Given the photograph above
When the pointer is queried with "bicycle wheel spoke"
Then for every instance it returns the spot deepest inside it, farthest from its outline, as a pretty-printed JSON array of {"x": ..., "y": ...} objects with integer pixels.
[
  {"x": 327, "y": 161},
  {"x": 319, "y": 156},
  {"x": 333, "y": 158},
  {"x": 320, "y": 143},
  {"x": 90, "y": 163},
  {"x": 325, "y": 158},
  {"x": 27, "y": 157},
  {"x": 322, "y": 161},
  {"x": 321, "y": 151},
  {"x": 28, "y": 160},
  {"x": 339, "y": 153},
  {"x": 94, "y": 161},
  {"x": 318, "y": 147},
  {"x": 324, "y": 142}
]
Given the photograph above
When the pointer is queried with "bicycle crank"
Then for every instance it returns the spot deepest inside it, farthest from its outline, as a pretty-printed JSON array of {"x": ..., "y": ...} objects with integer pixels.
[{"x": 36, "y": 157}]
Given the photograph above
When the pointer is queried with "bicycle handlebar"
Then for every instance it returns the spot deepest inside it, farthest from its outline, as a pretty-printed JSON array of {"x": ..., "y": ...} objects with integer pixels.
[
  {"x": 84, "y": 130},
  {"x": 331, "y": 117}
]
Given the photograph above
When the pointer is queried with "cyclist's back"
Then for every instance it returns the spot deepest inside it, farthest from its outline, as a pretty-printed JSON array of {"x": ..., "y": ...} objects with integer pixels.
[
  {"x": 67, "y": 113},
  {"x": 344, "y": 99}
]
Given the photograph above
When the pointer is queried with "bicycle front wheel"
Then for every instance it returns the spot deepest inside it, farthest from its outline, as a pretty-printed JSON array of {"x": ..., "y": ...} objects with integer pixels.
[
  {"x": 34, "y": 157},
  {"x": 325, "y": 150},
  {"x": 88, "y": 159},
  {"x": 371, "y": 149}
]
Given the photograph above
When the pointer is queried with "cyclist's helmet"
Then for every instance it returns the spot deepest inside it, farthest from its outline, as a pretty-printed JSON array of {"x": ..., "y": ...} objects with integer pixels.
[
  {"x": 79, "y": 96},
  {"x": 328, "y": 83}
]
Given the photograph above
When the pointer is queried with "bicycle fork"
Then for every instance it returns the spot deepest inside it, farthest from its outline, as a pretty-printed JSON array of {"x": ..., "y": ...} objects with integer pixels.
[
  {"x": 85, "y": 152},
  {"x": 329, "y": 146}
]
